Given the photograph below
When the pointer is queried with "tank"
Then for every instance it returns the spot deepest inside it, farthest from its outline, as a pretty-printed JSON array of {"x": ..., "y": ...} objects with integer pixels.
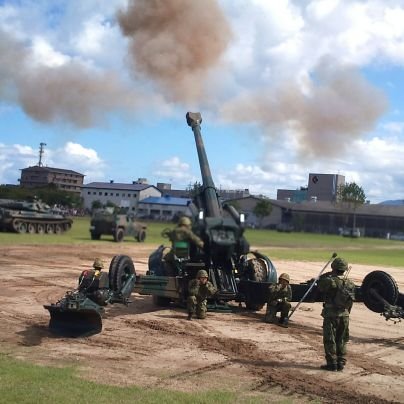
[{"x": 31, "y": 217}]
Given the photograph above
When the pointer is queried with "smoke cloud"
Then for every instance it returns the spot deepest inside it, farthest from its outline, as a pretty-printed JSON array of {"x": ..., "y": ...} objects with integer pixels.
[
  {"x": 70, "y": 92},
  {"x": 338, "y": 107},
  {"x": 175, "y": 42}
]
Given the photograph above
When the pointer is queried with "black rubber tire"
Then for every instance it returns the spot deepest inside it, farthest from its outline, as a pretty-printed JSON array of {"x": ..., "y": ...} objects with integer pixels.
[
  {"x": 118, "y": 236},
  {"x": 161, "y": 301},
  {"x": 384, "y": 284},
  {"x": 141, "y": 237},
  {"x": 49, "y": 228},
  {"x": 95, "y": 236},
  {"x": 120, "y": 268},
  {"x": 58, "y": 228}
]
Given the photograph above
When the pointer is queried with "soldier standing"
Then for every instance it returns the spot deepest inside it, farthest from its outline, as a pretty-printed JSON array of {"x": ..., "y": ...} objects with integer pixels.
[
  {"x": 199, "y": 290},
  {"x": 279, "y": 299},
  {"x": 339, "y": 294}
]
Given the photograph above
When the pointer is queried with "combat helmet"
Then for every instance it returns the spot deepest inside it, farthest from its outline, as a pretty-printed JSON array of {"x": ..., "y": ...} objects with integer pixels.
[
  {"x": 98, "y": 264},
  {"x": 184, "y": 221},
  {"x": 339, "y": 265},
  {"x": 202, "y": 274},
  {"x": 285, "y": 277}
]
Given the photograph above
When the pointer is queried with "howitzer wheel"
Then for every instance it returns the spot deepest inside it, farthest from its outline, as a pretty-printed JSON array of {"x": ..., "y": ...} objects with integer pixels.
[
  {"x": 384, "y": 285},
  {"x": 120, "y": 269}
]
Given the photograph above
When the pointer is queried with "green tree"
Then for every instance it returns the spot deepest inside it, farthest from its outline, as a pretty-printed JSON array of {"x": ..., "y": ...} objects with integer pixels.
[
  {"x": 194, "y": 189},
  {"x": 351, "y": 195},
  {"x": 262, "y": 209},
  {"x": 96, "y": 204}
]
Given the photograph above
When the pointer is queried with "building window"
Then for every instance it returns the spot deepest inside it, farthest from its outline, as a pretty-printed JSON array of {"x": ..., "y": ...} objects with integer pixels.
[
  {"x": 116, "y": 194},
  {"x": 99, "y": 193}
]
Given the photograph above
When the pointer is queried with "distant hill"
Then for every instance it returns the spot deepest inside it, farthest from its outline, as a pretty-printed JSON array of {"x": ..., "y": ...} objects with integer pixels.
[{"x": 393, "y": 202}]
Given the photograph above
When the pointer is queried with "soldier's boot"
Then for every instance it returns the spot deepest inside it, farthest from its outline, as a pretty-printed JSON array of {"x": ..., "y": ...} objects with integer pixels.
[
  {"x": 189, "y": 317},
  {"x": 331, "y": 367},
  {"x": 270, "y": 316},
  {"x": 283, "y": 322},
  {"x": 340, "y": 364}
]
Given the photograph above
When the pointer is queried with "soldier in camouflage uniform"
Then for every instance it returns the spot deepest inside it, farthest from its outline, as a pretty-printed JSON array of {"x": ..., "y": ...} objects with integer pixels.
[
  {"x": 181, "y": 233},
  {"x": 199, "y": 290},
  {"x": 336, "y": 318},
  {"x": 279, "y": 299}
]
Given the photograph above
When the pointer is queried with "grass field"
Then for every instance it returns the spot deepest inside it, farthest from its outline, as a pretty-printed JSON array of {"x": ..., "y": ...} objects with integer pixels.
[
  {"x": 286, "y": 246},
  {"x": 25, "y": 383}
]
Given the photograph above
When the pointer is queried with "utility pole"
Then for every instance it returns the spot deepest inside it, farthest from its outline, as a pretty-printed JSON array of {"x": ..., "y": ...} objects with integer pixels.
[{"x": 41, "y": 152}]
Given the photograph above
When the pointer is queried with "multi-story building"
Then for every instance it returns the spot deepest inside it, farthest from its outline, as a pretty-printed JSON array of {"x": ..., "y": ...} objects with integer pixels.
[
  {"x": 321, "y": 187},
  {"x": 120, "y": 194},
  {"x": 39, "y": 176}
]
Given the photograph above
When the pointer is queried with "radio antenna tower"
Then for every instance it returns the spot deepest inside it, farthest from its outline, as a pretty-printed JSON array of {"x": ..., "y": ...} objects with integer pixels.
[{"x": 41, "y": 152}]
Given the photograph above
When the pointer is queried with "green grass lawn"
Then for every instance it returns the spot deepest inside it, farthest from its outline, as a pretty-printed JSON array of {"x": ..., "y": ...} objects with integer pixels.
[
  {"x": 26, "y": 383},
  {"x": 277, "y": 245}
]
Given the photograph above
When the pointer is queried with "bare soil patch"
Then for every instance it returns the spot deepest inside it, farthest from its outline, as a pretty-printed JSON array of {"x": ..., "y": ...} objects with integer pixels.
[{"x": 147, "y": 346}]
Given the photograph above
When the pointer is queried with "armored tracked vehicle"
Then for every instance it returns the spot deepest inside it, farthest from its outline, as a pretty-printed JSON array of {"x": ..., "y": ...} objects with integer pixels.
[
  {"x": 32, "y": 217},
  {"x": 239, "y": 274},
  {"x": 118, "y": 225}
]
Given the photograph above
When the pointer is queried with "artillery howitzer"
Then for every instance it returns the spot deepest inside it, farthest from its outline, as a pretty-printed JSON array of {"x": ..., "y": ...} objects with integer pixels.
[
  {"x": 32, "y": 217},
  {"x": 239, "y": 274}
]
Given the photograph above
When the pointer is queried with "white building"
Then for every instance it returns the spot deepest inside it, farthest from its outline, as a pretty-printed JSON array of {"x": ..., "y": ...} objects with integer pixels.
[
  {"x": 163, "y": 208},
  {"x": 122, "y": 195}
]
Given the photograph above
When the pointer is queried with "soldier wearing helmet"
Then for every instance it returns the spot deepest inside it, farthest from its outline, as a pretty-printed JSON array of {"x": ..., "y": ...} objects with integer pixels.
[
  {"x": 199, "y": 290},
  {"x": 279, "y": 299},
  {"x": 181, "y": 237},
  {"x": 183, "y": 232},
  {"x": 94, "y": 283},
  {"x": 339, "y": 294}
]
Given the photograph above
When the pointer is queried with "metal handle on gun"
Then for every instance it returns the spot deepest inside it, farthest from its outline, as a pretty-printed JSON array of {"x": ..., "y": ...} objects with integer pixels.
[{"x": 312, "y": 285}]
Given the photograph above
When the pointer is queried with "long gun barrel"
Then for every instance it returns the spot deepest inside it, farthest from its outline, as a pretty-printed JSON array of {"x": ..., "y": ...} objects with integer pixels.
[{"x": 209, "y": 194}]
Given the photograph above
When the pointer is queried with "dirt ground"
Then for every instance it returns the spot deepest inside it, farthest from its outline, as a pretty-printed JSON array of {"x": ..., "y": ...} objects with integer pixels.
[{"x": 153, "y": 347}]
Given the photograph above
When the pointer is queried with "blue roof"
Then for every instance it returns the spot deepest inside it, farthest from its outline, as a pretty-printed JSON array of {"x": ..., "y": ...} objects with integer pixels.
[{"x": 166, "y": 200}]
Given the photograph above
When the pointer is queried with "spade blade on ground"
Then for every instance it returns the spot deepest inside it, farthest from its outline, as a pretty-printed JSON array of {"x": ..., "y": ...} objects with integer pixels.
[{"x": 74, "y": 323}]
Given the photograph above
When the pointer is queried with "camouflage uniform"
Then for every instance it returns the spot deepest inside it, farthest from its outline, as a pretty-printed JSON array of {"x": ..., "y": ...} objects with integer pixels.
[
  {"x": 182, "y": 232},
  {"x": 336, "y": 319},
  {"x": 95, "y": 283},
  {"x": 279, "y": 300},
  {"x": 197, "y": 297}
]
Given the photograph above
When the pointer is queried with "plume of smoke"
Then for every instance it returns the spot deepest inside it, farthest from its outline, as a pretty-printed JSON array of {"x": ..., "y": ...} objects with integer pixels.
[
  {"x": 70, "y": 92},
  {"x": 175, "y": 42},
  {"x": 339, "y": 107}
]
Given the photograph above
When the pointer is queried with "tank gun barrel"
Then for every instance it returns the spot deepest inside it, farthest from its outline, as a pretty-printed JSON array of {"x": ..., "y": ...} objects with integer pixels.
[{"x": 209, "y": 195}]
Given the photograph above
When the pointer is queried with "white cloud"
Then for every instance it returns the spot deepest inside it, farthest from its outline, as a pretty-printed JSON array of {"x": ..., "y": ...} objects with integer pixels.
[
  {"x": 173, "y": 169},
  {"x": 72, "y": 156}
]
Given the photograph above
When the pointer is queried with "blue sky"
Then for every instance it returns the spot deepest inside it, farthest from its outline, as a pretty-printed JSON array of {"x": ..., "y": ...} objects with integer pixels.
[{"x": 285, "y": 88}]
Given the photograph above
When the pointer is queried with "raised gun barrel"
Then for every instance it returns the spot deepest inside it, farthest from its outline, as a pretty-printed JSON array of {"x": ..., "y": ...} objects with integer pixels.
[{"x": 208, "y": 193}]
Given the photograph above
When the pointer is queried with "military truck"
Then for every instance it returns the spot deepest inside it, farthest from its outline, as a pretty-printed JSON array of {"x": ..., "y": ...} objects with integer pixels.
[
  {"x": 239, "y": 274},
  {"x": 110, "y": 221}
]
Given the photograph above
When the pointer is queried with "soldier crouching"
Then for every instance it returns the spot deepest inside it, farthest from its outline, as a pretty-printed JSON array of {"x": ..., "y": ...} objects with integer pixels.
[
  {"x": 279, "y": 299},
  {"x": 199, "y": 290}
]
